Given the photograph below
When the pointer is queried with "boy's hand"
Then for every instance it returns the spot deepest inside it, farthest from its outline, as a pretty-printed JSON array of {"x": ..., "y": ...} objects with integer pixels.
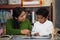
[
  {"x": 25, "y": 31},
  {"x": 36, "y": 34}
]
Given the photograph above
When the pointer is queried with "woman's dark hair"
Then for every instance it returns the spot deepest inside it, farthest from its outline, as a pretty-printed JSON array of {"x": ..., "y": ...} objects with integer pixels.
[
  {"x": 42, "y": 11},
  {"x": 16, "y": 12}
]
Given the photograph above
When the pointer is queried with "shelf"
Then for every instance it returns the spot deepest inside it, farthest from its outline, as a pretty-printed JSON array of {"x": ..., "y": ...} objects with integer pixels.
[
  {"x": 9, "y": 6},
  {"x": 37, "y": 5},
  {"x": 18, "y": 5}
]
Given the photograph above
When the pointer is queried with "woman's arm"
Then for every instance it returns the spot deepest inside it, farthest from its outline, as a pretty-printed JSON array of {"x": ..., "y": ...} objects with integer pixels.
[{"x": 9, "y": 28}]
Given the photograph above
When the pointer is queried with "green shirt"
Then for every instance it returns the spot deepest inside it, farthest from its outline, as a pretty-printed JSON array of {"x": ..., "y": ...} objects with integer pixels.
[{"x": 23, "y": 25}]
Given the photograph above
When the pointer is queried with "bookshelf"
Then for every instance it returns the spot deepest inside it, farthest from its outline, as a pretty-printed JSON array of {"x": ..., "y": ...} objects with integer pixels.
[
  {"x": 29, "y": 6},
  {"x": 6, "y": 10}
]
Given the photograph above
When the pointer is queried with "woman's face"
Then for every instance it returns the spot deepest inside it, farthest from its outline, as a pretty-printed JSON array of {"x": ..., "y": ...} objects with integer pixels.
[
  {"x": 41, "y": 19},
  {"x": 22, "y": 16}
]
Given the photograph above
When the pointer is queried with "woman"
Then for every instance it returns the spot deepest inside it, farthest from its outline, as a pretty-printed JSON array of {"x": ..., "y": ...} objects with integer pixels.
[{"x": 18, "y": 24}]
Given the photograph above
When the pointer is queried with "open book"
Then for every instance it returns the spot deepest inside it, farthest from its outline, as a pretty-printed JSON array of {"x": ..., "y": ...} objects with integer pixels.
[{"x": 34, "y": 37}]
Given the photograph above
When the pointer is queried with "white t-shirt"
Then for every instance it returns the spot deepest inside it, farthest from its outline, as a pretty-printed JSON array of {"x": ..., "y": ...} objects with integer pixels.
[{"x": 42, "y": 29}]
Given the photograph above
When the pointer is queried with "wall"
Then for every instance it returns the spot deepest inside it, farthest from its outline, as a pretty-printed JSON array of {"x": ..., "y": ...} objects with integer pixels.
[{"x": 57, "y": 13}]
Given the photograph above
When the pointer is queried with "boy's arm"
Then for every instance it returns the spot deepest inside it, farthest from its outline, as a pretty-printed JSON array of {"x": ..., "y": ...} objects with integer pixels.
[
  {"x": 52, "y": 30},
  {"x": 52, "y": 33},
  {"x": 34, "y": 30}
]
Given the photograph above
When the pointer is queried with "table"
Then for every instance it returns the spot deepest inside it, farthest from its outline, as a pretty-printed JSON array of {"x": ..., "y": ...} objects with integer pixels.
[
  {"x": 20, "y": 37},
  {"x": 28, "y": 38}
]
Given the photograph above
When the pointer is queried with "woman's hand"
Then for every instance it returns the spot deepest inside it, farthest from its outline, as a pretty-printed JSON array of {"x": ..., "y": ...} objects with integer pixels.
[
  {"x": 26, "y": 32},
  {"x": 36, "y": 34}
]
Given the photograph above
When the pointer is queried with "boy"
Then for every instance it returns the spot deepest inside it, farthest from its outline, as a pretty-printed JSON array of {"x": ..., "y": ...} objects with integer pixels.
[{"x": 43, "y": 26}]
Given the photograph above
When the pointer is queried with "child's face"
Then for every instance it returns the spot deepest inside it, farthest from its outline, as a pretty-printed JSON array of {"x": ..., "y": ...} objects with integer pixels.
[
  {"x": 41, "y": 19},
  {"x": 22, "y": 16}
]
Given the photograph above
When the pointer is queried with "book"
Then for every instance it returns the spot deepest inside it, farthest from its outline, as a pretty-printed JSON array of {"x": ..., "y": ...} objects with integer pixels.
[
  {"x": 31, "y": 3},
  {"x": 9, "y": 14},
  {"x": 3, "y": 1},
  {"x": 4, "y": 16},
  {"x": 14, "y": 2},
  {"x": 37, "y": 3}
]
